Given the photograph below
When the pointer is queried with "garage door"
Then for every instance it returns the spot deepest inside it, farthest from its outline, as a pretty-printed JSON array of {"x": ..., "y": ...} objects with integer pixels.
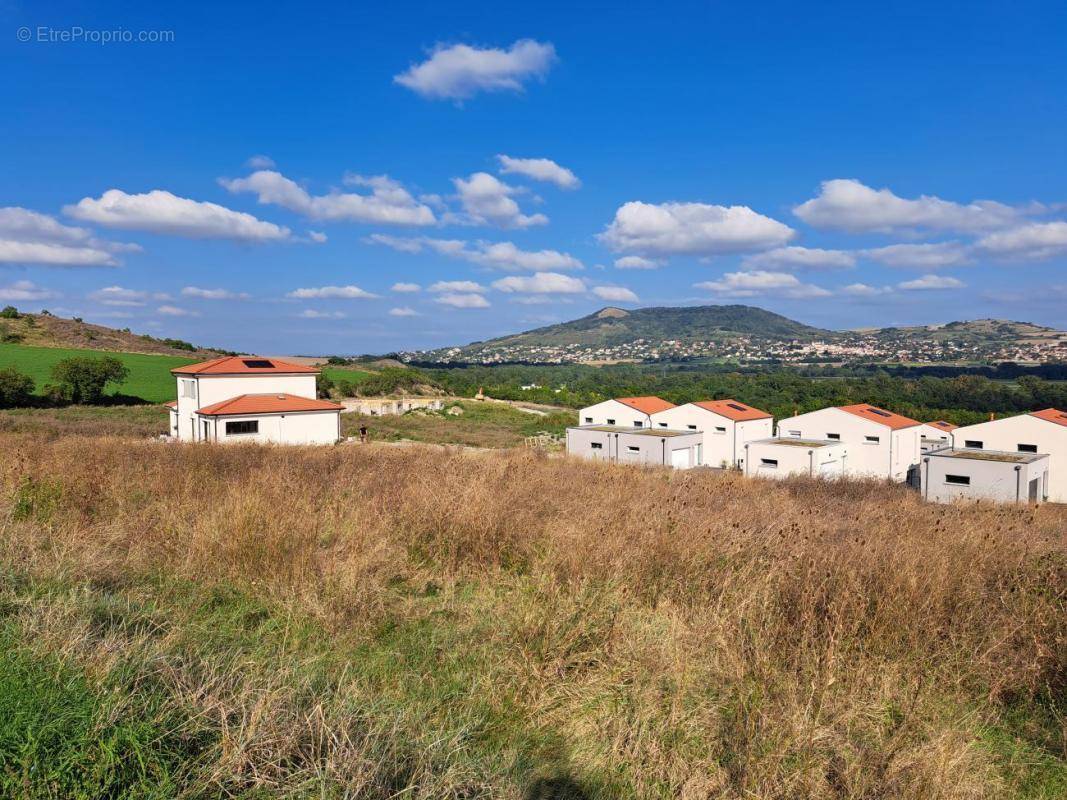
[
  {"x": 680, "y": 459},
  {"x": 830, "y": 469}
]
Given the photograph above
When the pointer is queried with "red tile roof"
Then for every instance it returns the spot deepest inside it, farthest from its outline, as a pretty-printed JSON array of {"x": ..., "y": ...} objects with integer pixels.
[
  {"x": 267, "y": 404},
  {"x": 1051, "y": 415},
  {"x": 880, "y": 415},
  {"x": 244, "y": 365},
  {"x": 171, "y": 404},
  {"x": 945, "y": 426},
  {"x": 646, "y": 405},
  {"x": 731, "y": 409}
]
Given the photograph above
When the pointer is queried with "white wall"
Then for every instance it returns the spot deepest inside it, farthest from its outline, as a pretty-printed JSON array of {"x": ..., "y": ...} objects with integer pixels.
[
  {"x": 931, "y": 438},
  {"x": 210, "y": 389},
  {"x": 829, "y": 461},
  {"x": 612, "y": 412},
  {"x": 724, "y": 440},
  {"x": 889, "y": 457},
  {"x": 998, "y": 481},
  {"x": 1008, "y": 433},
  {"x": 308, "y": 427},
  {"x": 626, "y": 448}
]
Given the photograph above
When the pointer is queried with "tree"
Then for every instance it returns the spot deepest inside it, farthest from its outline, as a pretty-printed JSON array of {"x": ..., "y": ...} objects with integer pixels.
[
  {"x": 15, "y": 388},
  {"x": 323, "y": 385},
  {"x": 82, "y": 380},
  {"x": 9, "y": 312}
]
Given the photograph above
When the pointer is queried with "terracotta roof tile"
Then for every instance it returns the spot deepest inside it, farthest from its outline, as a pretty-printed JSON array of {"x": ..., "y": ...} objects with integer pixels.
[
  {"x": 646, "y": 405},
  {"x": 244, "y": 365},
  {"x": 731, "y": 409},
  {"x": 880, "y": 415},
  {"x": 1051, "y": 415},
  {"x": 267, "y": 404},
  {"x": 171, "y": 404}
]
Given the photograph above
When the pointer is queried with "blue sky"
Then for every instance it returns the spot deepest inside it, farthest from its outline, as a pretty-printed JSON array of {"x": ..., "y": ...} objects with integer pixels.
[{"x": 364, "y": 178}]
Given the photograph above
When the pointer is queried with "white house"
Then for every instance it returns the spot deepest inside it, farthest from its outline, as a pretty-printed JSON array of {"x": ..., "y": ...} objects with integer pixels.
[
  {"x": 725, "y": 424},
  {"x": 242, "y": 399},
  {"x": 626, "y": 412},
  {"x": 881, "y": 444},
  {"x": 784, "y": 457},
  {"x": 1037, "y": 432},
  {"x": 632, "y": 445},
  {"x": 935, "y": 435},
  {"x": 952, "y": 474}
]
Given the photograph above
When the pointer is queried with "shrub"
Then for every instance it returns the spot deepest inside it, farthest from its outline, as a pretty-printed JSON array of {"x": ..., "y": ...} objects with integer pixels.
[
  {"x": 323, "y": 384},
  {"x": 15, "y": 388},
  {"x": 9, "y": 312},
  {"x": 83, "y": 380}
]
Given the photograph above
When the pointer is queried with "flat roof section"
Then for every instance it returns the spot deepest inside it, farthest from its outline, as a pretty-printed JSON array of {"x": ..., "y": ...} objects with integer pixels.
[
  {"x": 791, "y": 442},
  {"x": 662, "y": 432},
  {"x": 988, "y": 455}
]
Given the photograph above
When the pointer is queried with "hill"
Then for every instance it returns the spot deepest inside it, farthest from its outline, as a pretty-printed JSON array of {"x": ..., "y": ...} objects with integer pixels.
[
  {"x": 749, "y": 334},
  {"x": 47, "y": 330}
]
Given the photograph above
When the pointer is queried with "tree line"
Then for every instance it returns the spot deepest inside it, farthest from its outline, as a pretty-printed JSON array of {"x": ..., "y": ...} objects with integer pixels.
[{"x": 75, "y": 380}]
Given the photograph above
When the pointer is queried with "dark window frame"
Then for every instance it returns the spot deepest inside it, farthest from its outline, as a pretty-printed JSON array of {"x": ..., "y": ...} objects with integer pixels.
[{"x": 242, "y": 427}]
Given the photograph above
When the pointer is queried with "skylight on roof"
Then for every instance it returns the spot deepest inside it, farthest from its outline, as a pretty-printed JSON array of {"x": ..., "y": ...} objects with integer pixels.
[
  {"x": 879, "y": 412},
  {"x": 736, "y": 407},
  {"x": 254, "y": 363}
]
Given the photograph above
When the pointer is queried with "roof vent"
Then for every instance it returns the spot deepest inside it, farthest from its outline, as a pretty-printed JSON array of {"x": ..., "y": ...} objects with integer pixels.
[
  {"x": 258, "y": 363},
  {"x": 281, "y": 397}
]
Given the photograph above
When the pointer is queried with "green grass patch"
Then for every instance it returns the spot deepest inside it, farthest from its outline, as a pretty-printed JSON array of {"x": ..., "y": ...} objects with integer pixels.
[
  {"x": 149, "y": 377},
  {"x": 353, "y": 376}
]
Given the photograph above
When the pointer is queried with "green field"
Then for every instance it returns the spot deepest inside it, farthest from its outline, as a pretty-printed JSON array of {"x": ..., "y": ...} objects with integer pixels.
[
  {"x": 149, "y": 379},
  {"x": 345, "y": 374}
]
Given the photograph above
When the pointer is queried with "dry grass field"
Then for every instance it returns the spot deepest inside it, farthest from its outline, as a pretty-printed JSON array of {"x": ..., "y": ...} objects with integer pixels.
[{"x": 381, "y": 622}]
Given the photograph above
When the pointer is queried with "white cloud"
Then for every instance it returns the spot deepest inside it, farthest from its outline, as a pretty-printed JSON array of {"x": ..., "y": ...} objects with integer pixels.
[
  {"x": 457, "y": 286},
  {"x": 213, "y": 294},
  {"x": 847, "y": 204},
  {"x": 388, "y": 203},
  {"x": 759, "y": 283},
  {"x": 161, "y": 212},
  {"x": 119, "y": 296},
  {"x": 403, "y": 311},
  {"x": 318, "y": 237},
  {"x": 406, "y": 287},
  {"x": 495, "y": 255},
  {"x": 29, "y": 237},
  {"x": 487, "y": 201},
  {"x": 808, "y": 258},
  {"x": 24, "y": 291},
  {"x": 332, "y": 292},
  {"x": 175, "y": 311},
  {"x": 540, "y": 169},
  {"x": 260, "y": 162},
  {"x": 615, "y": 294},
  {"x": 1034, "y": 241},
  {"x": 920, "y": 256},
  {"x": 540, "y": 283},
  {"x": 459, "y": 300},
  {"x": 310, "y": 313},
  {"x": 692, "y": 229},
  {"x": 864, "y": 290},
  {"x": 927, "y": 282},
  {"x": 637, "y": 262},
  {"x": 460, "y": 71}
]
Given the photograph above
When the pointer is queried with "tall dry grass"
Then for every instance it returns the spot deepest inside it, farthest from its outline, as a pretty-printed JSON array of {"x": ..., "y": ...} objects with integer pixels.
[{"x": 681, "y": 634}]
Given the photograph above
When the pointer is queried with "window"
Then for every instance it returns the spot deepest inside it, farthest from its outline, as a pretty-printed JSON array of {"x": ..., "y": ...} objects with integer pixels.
[
  {"x": 597, "y": 445},
  {"x": 835, "y": 436},
  {"x": 691, "y": 427},
  {"x": 872, "y": 439},
  {"x": 769, "y": 462},
  {"x": 1027, "y": 448},
  {"x": 611, "y": 422},
  {"x": 588, "y": 420},
  {"x": 720, "y": 429},
  {"x": 638, "y": 423},
  {"x": 795, "y": 434},
  {"x": 242, "y": 426},
  {"x": 736, "y": 407},
  {"x": 973, "y": 444},
  {"x": 959, "y": 480},
  {"x": 633, "y": 449},
  {"x": 878, "y": 412},
  {"x": 663, "y": 424},
  {"x": 189, "y": 389}
]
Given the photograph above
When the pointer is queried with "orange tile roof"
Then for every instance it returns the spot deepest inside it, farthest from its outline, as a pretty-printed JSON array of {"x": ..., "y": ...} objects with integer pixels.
[
  {"x": 243, "y": 365},
  {"x": 945, "y": 426},
  {"x": 880, "y": 415},
  {"x": 1051, "y": 415},
  {"x": 267, "y": 404},
  {"x": 171, "y": 404},
  {"x": 731, "y": 409},
  {"x": 646, "y": 405}
]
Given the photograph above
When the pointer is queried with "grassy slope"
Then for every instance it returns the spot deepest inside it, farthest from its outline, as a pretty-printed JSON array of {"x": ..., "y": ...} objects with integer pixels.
[
  {"x": 481, "y": 425},
  {"x": 150, "y": 377},
  {"x": 428, "y": 624},
  {"x": 40, "y": 330}
]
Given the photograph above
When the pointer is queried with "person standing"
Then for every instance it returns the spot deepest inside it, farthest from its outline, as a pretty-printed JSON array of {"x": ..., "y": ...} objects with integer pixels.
[{"x": 363, "y": 433}]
